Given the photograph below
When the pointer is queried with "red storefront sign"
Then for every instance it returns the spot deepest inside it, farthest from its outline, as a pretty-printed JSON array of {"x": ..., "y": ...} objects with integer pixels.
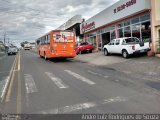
[{"x": 87, "y": 26}]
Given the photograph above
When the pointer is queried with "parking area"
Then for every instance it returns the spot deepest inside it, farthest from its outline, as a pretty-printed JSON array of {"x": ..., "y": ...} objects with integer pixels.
[
  {"x": 99, "y": 59},
  {"x": 141, "y": 65}
]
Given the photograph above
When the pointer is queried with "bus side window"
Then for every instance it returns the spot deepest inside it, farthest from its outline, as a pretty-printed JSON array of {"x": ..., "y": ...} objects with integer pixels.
[{"x": 49, "y": 39}]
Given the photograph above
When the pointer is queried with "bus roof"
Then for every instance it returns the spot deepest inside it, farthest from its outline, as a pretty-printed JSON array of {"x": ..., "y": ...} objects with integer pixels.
[{"x": 54, "y": 31}]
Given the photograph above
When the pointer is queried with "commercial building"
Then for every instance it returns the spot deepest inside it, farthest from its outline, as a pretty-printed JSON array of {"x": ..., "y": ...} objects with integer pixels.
[
  {"x": 126, "y": 18},
  {"x": 155, "y": 13},
  {"x": 73, "y": 24}
]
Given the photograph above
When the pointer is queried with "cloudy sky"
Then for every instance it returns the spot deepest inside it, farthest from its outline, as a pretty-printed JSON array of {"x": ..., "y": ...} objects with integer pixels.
[{"x": 29, "y": 19}]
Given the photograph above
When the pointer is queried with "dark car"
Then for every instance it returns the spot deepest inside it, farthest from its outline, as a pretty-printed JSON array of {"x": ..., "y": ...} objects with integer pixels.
[{"x": 84, "y": 47}]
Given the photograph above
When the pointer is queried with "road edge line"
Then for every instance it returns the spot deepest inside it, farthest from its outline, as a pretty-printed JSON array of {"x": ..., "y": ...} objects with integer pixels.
[
  {"x": 8, "y": 81},
  {"x": 19, "y": 92}
]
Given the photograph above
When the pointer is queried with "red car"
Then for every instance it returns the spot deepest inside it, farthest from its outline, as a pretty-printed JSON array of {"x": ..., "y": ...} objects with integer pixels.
[{"x": 84, "y": 47}]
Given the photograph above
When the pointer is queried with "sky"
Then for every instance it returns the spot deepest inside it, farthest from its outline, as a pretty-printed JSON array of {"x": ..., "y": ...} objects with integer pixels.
[{"x": 27, "y": 20}]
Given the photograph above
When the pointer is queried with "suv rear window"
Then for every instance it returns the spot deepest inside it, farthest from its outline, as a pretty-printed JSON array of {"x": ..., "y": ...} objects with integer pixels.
[{"x": 131, "y": 41}]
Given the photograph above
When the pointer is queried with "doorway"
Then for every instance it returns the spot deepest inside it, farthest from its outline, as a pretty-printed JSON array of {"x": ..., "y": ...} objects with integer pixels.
[{"x": 105, "y": 38}]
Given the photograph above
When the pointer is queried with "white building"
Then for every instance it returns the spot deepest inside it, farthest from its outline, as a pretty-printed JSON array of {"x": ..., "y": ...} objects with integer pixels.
[{"x": 125, "y": 18}]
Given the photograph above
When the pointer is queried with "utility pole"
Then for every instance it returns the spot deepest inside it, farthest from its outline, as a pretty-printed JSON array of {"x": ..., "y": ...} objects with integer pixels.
[
  {"x": 8, "y": 40},
  {"x": 4, "y": 37}
]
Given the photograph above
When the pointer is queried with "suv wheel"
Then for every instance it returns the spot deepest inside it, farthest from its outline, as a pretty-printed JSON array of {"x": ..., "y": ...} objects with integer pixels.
[
  {"x": 106, "y": 52},
  {"x": 125, "y": 54}
]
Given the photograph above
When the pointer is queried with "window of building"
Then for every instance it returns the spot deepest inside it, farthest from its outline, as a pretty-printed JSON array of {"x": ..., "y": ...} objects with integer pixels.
[
  {"x": 146, "y": 31},
  {"x": 136, "y": 31},
  {"x": 120, "y": 25},
  {"x": 135, "y": 20},
  {"x": 120, "y": 33},
  {"x": 112, "y": 28},
  {"x": 92, "y": 40},
  {"x": 145, "y": 17},
  {"x": 127, "y": 23},
  {"x": 127, "y": 31},
  {"x": 113, "y": 34}
]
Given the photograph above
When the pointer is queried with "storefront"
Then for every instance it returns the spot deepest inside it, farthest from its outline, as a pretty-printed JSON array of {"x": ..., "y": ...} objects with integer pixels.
[
  {"x": 126, "y": 18},
  {"x": 155, "y": 13}
]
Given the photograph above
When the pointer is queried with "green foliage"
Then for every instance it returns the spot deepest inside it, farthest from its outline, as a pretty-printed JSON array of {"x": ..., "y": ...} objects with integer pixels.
[{"x": 23, "y": 43}]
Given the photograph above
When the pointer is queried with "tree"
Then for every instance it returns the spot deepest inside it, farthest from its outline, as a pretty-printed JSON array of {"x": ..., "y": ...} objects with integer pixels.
[{"x": 23, "y": 43}]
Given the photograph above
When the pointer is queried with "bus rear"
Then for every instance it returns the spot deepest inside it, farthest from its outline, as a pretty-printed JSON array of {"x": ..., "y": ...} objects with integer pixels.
[{"x": 63, "y": 44}]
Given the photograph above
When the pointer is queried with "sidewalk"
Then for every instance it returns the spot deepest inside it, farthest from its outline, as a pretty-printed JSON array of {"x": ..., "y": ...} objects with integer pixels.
[
  {"x": 146, "y": 67},
  {"x": 99, "y": 59}
]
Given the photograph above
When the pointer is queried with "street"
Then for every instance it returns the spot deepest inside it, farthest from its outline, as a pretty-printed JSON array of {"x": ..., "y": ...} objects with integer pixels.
[{"x": 40, "y": 86}]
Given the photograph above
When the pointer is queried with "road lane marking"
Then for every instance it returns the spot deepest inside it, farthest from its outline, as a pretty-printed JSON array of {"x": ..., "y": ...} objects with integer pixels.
[
  {"x": 127, "y": 72},
  {"x": 97, "y": 74},
  {"x": 116, "y": 99},
  {"x": 71, "y": 108},
  {"x": 19, "y": 62},
  {"x": 94, "y": 73},
  {"x": 9, "y": 83},
  {"x": 56, "y": 80},
  {"x": 83, "y": 106},
  {"x": 3, "y": 85},
  {"x": 106, "y": 76},
  {"x": 8, "y": 71},
  {"x": 80, "y": 77},
  {"x": 19, "y": 88},
  {"x": 30, "y": 84}
]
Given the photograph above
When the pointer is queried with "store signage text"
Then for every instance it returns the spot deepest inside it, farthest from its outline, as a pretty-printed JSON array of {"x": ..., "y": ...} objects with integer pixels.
[
  {"x": 125, "y": 5},
  {"x": 87, "y": 26}
]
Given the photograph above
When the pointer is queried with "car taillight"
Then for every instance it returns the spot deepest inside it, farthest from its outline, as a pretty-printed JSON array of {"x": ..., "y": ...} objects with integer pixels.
[{"x": 133, "y": 47}]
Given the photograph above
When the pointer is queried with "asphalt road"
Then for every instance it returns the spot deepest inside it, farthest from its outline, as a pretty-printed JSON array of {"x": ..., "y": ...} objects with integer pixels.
[{"x": 74, "y": 87}]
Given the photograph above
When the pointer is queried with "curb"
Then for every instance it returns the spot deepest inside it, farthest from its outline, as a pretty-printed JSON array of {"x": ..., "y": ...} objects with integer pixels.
[{"x": 4, "y": 91}]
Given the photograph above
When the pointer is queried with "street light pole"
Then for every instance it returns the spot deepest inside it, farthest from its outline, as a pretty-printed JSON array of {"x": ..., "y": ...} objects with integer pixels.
[{"x": 4, "y": 37}]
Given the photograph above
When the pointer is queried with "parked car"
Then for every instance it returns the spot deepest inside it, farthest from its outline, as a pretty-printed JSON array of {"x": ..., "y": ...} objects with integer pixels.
[
  {"x": 126, "y": 46},
  {"x": 12, "y": 50},
  {"x": 84, "y": 47}
]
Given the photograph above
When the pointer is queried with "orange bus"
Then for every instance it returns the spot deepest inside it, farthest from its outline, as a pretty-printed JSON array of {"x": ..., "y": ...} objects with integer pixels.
[{"x": 57, "y": 44}]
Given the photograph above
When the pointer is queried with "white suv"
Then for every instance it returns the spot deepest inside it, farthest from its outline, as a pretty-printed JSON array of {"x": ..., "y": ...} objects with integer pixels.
[{"x": 126, "y": 46}]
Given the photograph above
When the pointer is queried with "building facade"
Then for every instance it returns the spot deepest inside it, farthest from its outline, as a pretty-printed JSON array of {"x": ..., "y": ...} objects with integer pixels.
[
  {"x": 155, "y": 26},
  {"x": 73, "y": 24},
  {"x": 126, "y": 18}
]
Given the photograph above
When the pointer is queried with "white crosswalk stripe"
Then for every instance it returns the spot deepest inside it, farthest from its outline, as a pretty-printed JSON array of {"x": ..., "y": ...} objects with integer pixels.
[
  {"x": 80, "y": 77},
  {"x": 56, "y": 80},
  {"x": 30, "y": 84}
]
